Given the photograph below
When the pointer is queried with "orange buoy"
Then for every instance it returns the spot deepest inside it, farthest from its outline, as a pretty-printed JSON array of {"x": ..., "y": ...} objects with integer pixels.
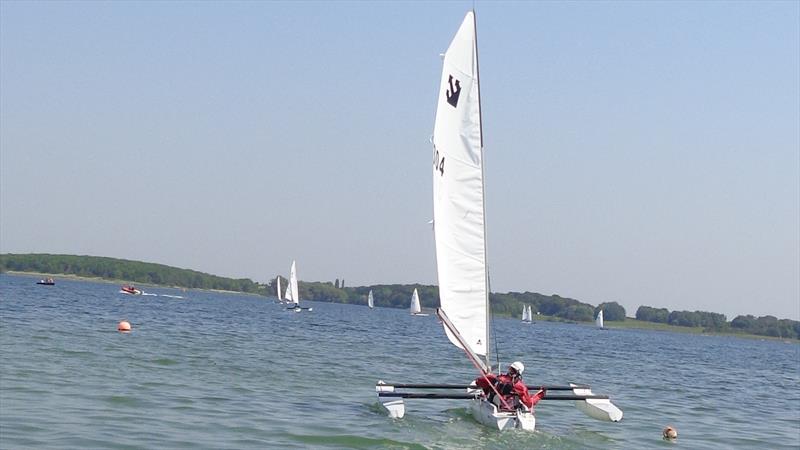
[
  {"x": 124, "y": 326},
  {"x": 670, "y": 433}
]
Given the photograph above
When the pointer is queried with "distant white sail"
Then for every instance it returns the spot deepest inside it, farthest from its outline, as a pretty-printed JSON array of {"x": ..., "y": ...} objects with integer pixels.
[
  {"x": 599, "y": 320},
  {"x": 526, "y": 313},
  {"x": 415, "y": 306},
  {"x": 291, "y": 290},
  {"x": 278, "y": 279},
  {"x": 370, "y": 300},
  {"x": 458, "y": 198}
]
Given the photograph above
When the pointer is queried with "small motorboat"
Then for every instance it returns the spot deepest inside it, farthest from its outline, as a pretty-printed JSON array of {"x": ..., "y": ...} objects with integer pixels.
[
  {"x": 47, "y": 282},
  {"x": 130, "y": 289}
]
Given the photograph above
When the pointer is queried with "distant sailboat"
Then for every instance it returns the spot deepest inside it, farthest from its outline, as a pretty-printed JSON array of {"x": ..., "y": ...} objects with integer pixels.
[
  {"x": 278, "y": 279},
  {"x": 370, "y": 300},
  {"x": 416, "y": 310},
  {"x": 291, "y": 288},
  {"x": 292, "y": 292},
  {"x": 527, "y": 315},
  {"x": 599, "y": 320}
]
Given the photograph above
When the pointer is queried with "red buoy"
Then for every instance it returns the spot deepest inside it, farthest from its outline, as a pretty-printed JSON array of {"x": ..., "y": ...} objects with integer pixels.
[{"x": 124, "y": 326}]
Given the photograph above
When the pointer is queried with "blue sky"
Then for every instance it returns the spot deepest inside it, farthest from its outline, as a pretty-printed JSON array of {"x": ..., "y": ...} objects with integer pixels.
[{"x": 640, "y": 152}]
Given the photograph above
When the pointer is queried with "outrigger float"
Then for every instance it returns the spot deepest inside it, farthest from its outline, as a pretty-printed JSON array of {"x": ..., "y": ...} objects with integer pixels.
[
  {"x": 483, "y": 410},
  {"x": 596, "y": 406},
  {"x": 460, "y": 234}
]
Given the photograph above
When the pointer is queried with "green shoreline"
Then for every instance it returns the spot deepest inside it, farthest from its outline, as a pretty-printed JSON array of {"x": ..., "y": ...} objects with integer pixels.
[
  {"x": 629, "y": 323},
  {"x": 634, "y": 324},
  {"x": 68, "y": 276}
]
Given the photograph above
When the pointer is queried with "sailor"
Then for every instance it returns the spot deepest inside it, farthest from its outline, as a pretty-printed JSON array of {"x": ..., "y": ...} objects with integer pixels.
[{"x": 511, "y": 387}]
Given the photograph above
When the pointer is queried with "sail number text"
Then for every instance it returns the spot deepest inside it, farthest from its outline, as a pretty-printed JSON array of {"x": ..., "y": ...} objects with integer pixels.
[{"x": 438, "y": 163}]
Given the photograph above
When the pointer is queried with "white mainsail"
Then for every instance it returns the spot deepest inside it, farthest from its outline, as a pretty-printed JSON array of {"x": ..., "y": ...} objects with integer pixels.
[
  {"x": 370, "y": 300},
  {"x": 458, "y": 200},
  {"x": 599, "y": 320},
  {"x": 291, "y": 290},
  {"x": 526, "y": 313},
  {"x": 278, "y": 279},
  {"x": 415, "y": 306}
]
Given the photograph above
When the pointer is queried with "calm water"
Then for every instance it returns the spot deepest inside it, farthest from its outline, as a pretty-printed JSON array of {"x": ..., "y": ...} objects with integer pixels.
[{"x": 223, "y": 371}]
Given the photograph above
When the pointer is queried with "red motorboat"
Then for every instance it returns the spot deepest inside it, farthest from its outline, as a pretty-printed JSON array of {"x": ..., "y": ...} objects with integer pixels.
[{"x": 130, "y": 289}]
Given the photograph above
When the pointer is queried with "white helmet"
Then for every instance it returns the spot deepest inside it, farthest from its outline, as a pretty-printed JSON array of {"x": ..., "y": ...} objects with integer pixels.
[{"x": 518, "y": 366}]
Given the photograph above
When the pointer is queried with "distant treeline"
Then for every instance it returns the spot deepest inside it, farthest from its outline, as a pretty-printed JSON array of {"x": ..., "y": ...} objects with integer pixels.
[
  {"x": 568, "y": 309},
  {"x": 762, "y": 326},
  {"x": 122, "y": 269},
  {"x": 388, "y": 295},
  {"x": 399, "y": 296}
]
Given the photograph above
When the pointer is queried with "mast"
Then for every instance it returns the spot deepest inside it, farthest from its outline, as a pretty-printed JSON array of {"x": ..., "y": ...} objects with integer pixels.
[{"x": 483, "y": 190}]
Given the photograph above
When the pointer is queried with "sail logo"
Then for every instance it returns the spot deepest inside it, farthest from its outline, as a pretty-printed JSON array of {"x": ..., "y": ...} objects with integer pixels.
[{"x": 453, "y": 93}]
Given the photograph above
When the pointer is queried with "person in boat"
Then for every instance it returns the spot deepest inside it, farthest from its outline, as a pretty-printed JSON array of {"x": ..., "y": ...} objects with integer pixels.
[{"x": 511, "y": 388}]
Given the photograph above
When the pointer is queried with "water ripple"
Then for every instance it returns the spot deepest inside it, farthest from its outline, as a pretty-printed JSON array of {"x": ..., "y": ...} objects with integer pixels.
[{"x": 221, "y": 371}]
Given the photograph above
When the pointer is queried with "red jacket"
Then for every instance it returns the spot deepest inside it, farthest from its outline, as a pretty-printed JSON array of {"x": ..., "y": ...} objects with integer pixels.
[{"x": 517, "y": 388}]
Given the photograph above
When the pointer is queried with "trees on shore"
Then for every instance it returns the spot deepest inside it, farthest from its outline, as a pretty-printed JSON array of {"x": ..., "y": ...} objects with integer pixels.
[
  {"x": 761, "y": 326},
  {"x": 122, "y": 269}
]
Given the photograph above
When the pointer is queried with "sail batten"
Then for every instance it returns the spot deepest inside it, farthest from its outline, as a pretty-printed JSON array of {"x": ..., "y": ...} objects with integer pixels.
[{"x": 458, "y": 191}]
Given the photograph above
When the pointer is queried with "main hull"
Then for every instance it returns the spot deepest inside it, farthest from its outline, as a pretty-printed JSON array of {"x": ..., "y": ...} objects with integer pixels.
[{"x": 487, "y": 414}]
